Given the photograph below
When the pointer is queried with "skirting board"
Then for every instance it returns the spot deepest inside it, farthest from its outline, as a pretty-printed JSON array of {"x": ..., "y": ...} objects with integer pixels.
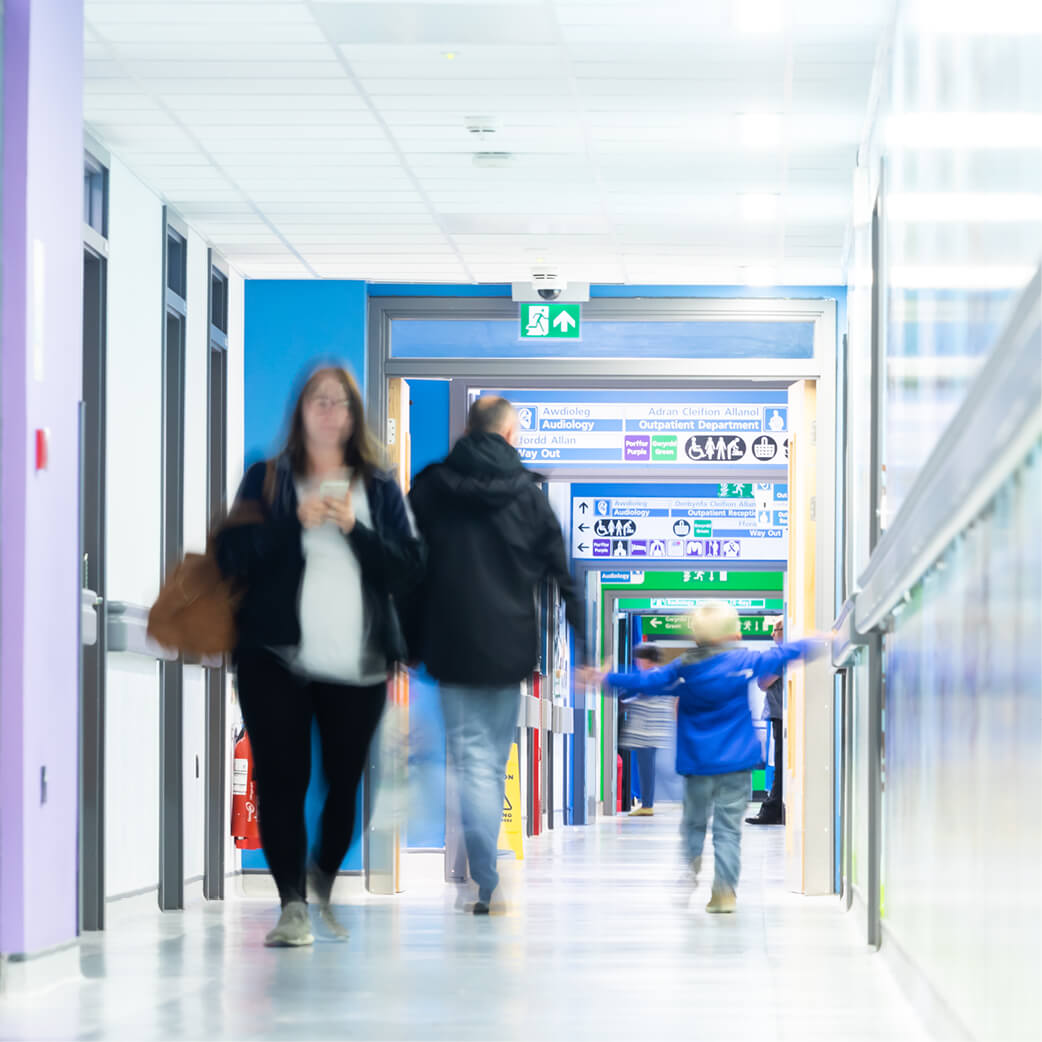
[
  {"x": 940, "y": 1020},
  {"x": 33, "y": 974}
]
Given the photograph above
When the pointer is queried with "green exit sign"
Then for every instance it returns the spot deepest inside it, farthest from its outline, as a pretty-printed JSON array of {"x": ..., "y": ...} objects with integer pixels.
[
  {"x": 550, "y": 321},
  {"x": 678, "y": 626}
]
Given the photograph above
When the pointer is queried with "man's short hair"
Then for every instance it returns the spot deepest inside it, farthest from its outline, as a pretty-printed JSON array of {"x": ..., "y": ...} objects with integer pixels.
[
  {"x": 490, "y": 414},
  {"x": 647, "y": 653}
]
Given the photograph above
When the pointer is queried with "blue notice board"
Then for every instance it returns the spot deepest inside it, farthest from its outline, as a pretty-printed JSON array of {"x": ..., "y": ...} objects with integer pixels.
[
  {"x": 683, "y": 523},
  {"x": 668, "y": 430}
]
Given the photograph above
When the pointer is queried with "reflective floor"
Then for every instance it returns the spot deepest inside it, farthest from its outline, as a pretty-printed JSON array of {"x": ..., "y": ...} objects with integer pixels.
[{"x": 592, "y": 945}]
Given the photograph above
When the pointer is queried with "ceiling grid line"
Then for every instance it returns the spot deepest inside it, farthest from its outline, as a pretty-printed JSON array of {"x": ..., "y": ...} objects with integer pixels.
[
  {"x": 592, "y": 156},
  {"x": 176, "y": 120},
  {"x": 392, "y": 140}
]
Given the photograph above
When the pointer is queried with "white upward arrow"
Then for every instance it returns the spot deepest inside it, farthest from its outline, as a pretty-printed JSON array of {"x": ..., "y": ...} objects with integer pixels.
[{"x": 564, "y": 321}]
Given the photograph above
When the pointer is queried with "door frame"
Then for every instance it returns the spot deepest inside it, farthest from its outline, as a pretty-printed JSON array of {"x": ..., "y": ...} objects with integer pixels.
[
  {"x": 216, "y": 678},
  {"x": 171, "y": 673},
  {"x": 92, "y": 658},
  {"x": 629, "y": 374}
]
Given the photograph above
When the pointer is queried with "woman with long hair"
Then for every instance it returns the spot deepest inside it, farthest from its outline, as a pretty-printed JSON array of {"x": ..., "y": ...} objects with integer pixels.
[{"x": 318, "y": 632}]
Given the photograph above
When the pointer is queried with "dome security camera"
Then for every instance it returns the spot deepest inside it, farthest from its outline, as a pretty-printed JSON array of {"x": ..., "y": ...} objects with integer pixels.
[{"x": 548, "y": 293}]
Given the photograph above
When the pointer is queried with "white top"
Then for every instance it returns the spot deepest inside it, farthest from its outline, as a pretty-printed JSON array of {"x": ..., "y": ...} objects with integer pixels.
[{"x": 336, "y": 642}]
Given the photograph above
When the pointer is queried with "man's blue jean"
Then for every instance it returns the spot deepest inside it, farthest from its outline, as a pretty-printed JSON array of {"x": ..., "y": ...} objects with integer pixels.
[
  {"x": 480, "y": 723},
  {"x": 646, "y": 773},
  {"x": 726, "y": 796}
]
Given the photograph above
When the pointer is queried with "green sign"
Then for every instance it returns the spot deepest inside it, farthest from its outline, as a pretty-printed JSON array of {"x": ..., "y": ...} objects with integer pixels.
[
  {"x": 732, "y": 490},
  {"x": 693, "y": 580},
  {"x": 550, "y": 321},
  {"x": 663, "y": 448},
  {"x": 677, "y": 626},
  {"x": 687, "y": 604},
  {"x": 757, "y": 625},
  {"x": 666, "y": 626}
]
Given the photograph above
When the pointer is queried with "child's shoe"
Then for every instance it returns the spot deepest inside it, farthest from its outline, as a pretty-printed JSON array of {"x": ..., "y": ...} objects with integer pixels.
[{"x": 722, "y": 900}]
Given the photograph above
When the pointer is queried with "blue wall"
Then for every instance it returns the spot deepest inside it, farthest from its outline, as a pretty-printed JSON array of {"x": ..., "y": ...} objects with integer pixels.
[{"x": 290, "y": 324}]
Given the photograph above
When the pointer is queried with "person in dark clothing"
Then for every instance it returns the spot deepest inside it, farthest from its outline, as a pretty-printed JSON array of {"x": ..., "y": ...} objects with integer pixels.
[
  {"x": 772, "y": 810},
  {"x": 492, "y": 538},
  {"x": 326, "y": 547}
]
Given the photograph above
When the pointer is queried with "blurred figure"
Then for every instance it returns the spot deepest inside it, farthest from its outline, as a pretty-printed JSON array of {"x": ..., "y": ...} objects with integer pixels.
[
  {"x": 492, "y": 538},
  {"x": 772, "y": 810},
  {"x": 318, "y": 629},
  {"x": 717, "y": 745},
  {"x": 646, "y": 723}
]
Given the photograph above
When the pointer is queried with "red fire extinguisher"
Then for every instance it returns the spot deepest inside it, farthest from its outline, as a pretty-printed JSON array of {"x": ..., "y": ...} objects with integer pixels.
[{"x": 245, "y": 827}]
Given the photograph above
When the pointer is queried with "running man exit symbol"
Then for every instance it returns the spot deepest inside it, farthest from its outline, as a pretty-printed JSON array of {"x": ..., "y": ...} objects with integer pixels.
[{"x": 550, "y": 321}]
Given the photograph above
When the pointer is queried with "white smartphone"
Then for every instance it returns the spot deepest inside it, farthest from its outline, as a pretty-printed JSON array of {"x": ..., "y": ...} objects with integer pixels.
[{"x": 334, "y": 489}]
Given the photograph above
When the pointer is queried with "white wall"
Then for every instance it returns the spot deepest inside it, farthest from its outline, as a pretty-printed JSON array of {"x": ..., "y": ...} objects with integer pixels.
[
  {"x": 133, "y": 502},
  {"x": 133, "y": 505}
]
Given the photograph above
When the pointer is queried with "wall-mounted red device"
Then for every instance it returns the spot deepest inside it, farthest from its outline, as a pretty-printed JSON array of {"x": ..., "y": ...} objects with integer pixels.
[{"x": 42, "y": 438}]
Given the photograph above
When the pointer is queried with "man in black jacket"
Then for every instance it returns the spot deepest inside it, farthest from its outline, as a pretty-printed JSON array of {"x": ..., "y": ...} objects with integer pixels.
[{"x": 492, "y": 538}]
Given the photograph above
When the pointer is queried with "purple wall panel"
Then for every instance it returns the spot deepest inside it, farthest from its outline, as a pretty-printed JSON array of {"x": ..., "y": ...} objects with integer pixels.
[{"x": 41, "y": 387}]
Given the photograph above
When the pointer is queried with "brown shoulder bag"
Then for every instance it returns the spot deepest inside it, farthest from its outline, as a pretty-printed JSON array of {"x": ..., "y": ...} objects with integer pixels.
[{"x": 195, "y": 610}]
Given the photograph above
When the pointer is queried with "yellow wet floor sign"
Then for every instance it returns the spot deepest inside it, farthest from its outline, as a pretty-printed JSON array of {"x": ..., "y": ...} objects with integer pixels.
[{"x": 510, "y": 828}]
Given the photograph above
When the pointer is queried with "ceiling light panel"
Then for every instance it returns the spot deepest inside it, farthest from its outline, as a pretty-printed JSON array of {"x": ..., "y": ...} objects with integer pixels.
[{"x": 626, "y": 137}]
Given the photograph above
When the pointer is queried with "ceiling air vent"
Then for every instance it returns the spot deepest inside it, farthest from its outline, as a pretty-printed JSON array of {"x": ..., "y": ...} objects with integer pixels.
[
  {"x": 492, "y": 160},
  {"x": 481, "y": 127}
]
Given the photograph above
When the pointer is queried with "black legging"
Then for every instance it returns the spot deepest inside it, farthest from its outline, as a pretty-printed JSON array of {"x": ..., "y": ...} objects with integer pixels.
[
  {"x": 773, "y": 804},
  {"x": 278, "y": 707}
]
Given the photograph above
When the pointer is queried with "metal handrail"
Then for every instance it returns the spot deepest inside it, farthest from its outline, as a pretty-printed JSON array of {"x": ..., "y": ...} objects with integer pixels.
[
  {"x": 126, "y": 631},
  {"x": 988, "y": 438}
]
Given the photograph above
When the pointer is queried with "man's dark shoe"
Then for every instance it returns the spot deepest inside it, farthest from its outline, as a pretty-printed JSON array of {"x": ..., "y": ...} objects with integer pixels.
[{"x": 766, "y": 819}]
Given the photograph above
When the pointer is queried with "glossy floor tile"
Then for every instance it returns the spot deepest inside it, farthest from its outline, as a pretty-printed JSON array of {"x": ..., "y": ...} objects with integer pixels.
[{"x": 592, "y": 945}]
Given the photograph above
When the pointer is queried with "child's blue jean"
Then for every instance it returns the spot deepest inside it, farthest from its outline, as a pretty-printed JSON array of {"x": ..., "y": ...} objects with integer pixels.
[{"x": 726, "y": 797}]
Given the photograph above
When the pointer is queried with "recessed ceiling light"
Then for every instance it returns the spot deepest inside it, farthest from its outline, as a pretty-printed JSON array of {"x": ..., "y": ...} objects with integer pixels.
[
  {"x": 758, "y": 206},
  {"x": 449, "y": 56},
  {"x": 760, "y": 129}
]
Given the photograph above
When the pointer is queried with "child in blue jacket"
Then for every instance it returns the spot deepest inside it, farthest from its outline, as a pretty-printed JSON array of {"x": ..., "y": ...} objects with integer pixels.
[{"x": 717, "y": 745}]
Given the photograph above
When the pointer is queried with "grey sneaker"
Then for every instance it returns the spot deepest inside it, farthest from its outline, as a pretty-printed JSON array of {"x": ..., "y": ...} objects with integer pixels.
[
  {"x": 320, "y": 885},
  {"x": 293, "y": 929}
]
